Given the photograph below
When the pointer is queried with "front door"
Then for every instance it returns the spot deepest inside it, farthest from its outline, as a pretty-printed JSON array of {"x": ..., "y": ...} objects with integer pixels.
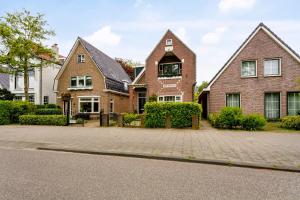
[
  {"x": 141, "y": 102},
  {"x": 66, "y": 104}
]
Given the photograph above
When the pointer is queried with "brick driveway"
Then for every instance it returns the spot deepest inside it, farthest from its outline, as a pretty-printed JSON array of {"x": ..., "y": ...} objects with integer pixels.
[{"x": 267, "y": 149}]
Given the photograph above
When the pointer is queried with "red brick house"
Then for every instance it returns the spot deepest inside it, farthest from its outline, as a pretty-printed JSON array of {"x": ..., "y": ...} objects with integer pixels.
[
  {"x": 94, "y": 80},
  {"x": 169, "y": 73},
  {"x": 260, "y": 77}
]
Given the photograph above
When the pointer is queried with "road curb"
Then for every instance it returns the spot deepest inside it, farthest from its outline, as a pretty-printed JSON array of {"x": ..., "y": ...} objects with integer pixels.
[{"x": 174, "y": 158}]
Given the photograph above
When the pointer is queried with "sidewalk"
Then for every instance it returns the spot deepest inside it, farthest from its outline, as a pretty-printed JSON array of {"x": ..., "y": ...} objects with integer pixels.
[{"x": 253, "y": 149}]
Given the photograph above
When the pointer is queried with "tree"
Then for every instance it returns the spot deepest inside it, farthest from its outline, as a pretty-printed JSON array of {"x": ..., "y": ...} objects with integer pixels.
[
  {"x": 21, "y": 48},
  {"x": 127, "y": 66},
  {"x": 200, "y": 88},
  {"x": 6, "y": 95}
]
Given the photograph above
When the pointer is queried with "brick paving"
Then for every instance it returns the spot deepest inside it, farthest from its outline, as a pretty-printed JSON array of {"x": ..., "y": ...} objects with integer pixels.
[{"x": 269, "y": 149}]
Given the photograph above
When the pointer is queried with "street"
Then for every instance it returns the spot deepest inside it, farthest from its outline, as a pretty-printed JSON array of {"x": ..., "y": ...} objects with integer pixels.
[{"x": 33, "y": 174}]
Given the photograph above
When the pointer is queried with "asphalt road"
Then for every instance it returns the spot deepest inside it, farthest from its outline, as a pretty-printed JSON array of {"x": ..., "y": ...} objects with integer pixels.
[{"x": 32, "y": 174}]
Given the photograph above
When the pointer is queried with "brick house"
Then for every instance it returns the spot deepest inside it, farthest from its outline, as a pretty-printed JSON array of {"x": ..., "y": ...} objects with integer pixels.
[
  {"x": 260, "y": 77},
  {"x": 169, "y": 73},
  {"x": 94, "y": 80}
]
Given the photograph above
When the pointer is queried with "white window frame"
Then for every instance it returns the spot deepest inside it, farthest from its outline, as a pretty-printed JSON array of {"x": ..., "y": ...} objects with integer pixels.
[
  {"x": 232, "y": 93},
  {"x": 77, "y": 82},
  {"x": 80, "y": 58},
  {"x": 279, "y": 65},
  {"x": 169, "y": 42},
  {"x": 287, "y": 103},
  {"x": 92, "y": 102},
  {"x": 163, "y": 97},
  {"x": 255, "y": 69}
]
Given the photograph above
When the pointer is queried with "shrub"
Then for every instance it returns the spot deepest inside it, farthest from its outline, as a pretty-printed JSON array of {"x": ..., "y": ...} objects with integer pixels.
[
  {"x": 181, "y": 113},
  {"x": 48, "y": 111},
  {"x": 85, "y": 116},
  {"x": 57, "y": 120},
  {"x": 229, "y": 117},
  {"x": 5, "y": 108},
  {"x": 51, "y": 105},
  {"x": 153, "y": 98},
  {"x": 291, "y": 122},
  {"x": 212, "y": 118},
  {"x": 128, "y": 118},
  {"x": 253, "y": 122},
  {"x": 79, "y": 121}
]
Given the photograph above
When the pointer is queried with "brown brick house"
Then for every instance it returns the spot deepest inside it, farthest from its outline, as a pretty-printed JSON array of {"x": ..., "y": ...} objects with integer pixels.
[
  {"x": 169, "y": 73},
  {"x": 94, "y": 80},
  {"x": 260, "y": 77}
]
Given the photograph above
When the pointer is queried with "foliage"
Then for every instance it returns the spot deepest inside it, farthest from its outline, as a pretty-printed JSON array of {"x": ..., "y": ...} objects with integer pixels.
[
  {"x": 6, "y": 95},
  {"x": 127, "y": 65},
  {"x": 153, "y": 98},
  {"x": 128, "y": 118},
  {"x": 48, "y": 111},
  {"x": 181, "y": 113},
  {"x": 253, "y": 122},
  {"x": 21, "y": 36},
  {"x": 200, "y": 88},
  {"x": 79, "y": 121},
  {"x": 85, "y": 116},
  {"x": 57, "y": 120},
  {"x": 213, "y": 119},
  {"x": 291, "y": 122},
  {"x": 47, "y": 106},
  {"x": 229, "y": 117},
  {"x": 11, "y": 110}
]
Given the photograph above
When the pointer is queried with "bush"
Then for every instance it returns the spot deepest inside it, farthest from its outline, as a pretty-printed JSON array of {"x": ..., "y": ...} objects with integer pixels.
[
  {"x": 253, "y": 122},
  {"x": 291, "y": 122},
  {"x": 5, "y": 108},
  {"x": 128, "y": 118},
  {"x": 229, "y": 117},
  {"x": 57, "y": 120},
  {"x": 213, "y": 118},
  {"x": 85, "y": 116},
  {"x": 47, "y": 106},
  {"x": 181, "y": 114},
  {"x": 48, "y": 111},
  {"x": 79, "y": 121}
]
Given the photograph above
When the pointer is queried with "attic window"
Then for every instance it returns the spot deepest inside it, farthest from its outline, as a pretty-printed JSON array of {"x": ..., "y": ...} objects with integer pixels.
[
  {"x": 80, "y": 58},
  {"x": 169, "y": 42},
  {"x": 125, "y": 85}
]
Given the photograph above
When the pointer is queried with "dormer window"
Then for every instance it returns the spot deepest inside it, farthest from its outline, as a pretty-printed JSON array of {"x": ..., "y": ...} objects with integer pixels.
[
  {"x": 169, "y": 42},
  {"x": 80, "y": 58}
]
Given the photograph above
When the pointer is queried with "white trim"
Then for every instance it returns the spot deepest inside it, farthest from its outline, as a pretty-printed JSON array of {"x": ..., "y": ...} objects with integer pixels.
[
  {"x": 255, "y": 68},
  {"x": 80, "y": 88},
  {"x": 92, "y": 103},
  {"x": 163, "y": 96},
  {"x": 273, "y": 75},
  {"x": 137, "y": 99},
  {"x": 227, "y": 93},
  {"x": 171, "y": 77},
  {"x": 113, "y": 91},
  {"x": 138, "y": 77},
  {"x": 261, "y": 27}
]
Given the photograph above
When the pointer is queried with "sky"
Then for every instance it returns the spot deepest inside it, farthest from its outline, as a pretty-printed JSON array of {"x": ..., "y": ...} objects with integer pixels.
[{"x": 130, "y": 29}]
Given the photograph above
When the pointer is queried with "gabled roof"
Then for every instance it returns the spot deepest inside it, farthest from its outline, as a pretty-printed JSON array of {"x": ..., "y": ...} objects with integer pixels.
[
  {"x": 113, "y": 72},
  {"x": 267, "y": 30},
  {"x": 4, "y": 81}
]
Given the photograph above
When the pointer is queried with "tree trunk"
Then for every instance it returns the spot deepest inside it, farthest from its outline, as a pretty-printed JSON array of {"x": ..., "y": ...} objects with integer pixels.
[{"x": 26, "y": 83}]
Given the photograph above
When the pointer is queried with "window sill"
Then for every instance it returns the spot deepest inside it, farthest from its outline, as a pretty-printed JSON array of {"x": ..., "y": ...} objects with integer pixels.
[
  {"x": 243, "y": 77},
  {"x": 266, "y": 76},
  {"x": 80, "y": 88},
  {"x": 171, "y": 77}
]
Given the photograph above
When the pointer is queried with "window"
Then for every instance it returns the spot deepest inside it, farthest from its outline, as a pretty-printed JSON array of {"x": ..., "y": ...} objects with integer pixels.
[
  {"x": 31, "y": 77},
  {"x": 18, "y": 98},
  {"x": 272, "y": 105},
  {"x": 89, "y": 104},
  {"x": 81, "y": 81},
  {"x": 31, "y": 98},
  {"x": 111, "y": 106},
  {"x": 80, "y": 58},
  {"x": 248, "y": 69},
  {"x": 272, "y": 67},
  {"x": 169, "y": 98},
  {"x": 46, "y": 100},
  {"x": 125, "y": 85},
  {"x": 293, "y": 103},
  {"x": 169, "y": 42},
  {"x": 233, "y": 100},
  {"x": 169, "y": 70}
]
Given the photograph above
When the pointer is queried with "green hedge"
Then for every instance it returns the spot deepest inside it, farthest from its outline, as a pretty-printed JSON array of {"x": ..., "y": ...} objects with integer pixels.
[
  {"x": 181, "y": 113},
  {"x": 57, "y": 120},
  {"x": 291, "y": 122},
  {"x": 11, "y": 110},
  {"x": 128, "y": 118},
  {"x": 233, "y": 118},
  {"x": 47, "y": 106},
  {"x": 48, "y": 111}
]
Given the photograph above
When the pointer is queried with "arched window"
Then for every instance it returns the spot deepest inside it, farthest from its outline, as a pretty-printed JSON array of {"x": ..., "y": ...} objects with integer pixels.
[{"x": 170, "y": 65}]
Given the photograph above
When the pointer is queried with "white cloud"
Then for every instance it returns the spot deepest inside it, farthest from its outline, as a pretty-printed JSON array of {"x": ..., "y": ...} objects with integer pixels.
[
  {"x": 104, "y": 37},
  {"x": 228, "y": 5},
  {"x": 213, "y": 38},
  {"x": 181, "y": 33}
]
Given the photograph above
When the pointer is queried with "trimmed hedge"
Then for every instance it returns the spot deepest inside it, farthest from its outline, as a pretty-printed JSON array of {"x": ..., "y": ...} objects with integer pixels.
[
  {"x": 48, "y": 111},
  {"x": 11, "y": 110},
  {"x": 233, "y": 118},
  {"x": 57, "y": 120},
  {"x": 47, "y": 106},
  {"x": 181, "y": 113},
  {"x": 291, "y": 122},
  {"x": 128, "y": 118}
]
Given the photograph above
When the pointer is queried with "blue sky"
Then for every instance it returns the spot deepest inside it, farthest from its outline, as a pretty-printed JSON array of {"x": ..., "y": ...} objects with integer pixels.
[{"x": 213, "y": 29}]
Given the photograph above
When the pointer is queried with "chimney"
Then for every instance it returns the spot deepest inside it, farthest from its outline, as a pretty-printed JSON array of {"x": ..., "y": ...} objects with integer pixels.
[{"x": 55, "y": 49}]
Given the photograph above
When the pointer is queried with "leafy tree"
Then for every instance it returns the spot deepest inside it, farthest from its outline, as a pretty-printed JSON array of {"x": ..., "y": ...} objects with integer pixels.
[
  {"x": 127, "y": 66},
  {"x": 200, "y": 88},
  {"x": 21, "y": 48},
  {"x": 6, "y": 95}
]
